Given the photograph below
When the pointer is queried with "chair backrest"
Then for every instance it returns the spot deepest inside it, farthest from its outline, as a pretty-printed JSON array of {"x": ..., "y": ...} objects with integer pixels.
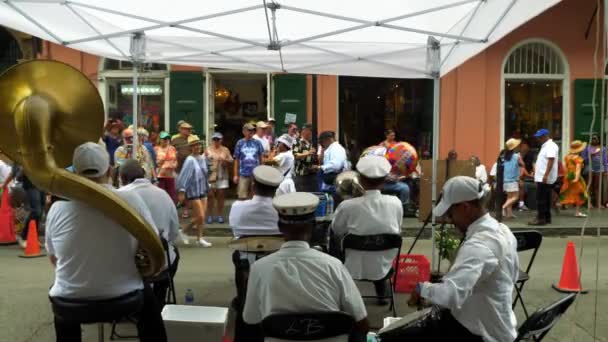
[
  {"x": 307, "y": 326},
  {"x": 539, "y": 323},
  {"x": 378, "y": 242},
  {"x": 528, "y": 240}
]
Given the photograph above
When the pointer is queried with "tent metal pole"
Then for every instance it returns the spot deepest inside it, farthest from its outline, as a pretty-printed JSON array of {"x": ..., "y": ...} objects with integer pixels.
[
  {"x": 434, "y": 61},
  {"x": 33, "y": 21},
  {"x": 135, "y": 109},
  {"x": 76, "y": 13},
  {"x": 502, "y": 17},
  {"x": 466, "y": 26}
]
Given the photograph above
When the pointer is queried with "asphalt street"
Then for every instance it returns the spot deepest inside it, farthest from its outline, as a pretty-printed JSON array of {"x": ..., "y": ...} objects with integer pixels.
[{"x": 25, "y": 313}]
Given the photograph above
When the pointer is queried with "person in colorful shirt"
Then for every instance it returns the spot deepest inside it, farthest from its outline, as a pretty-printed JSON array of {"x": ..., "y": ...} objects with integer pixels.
[
  {"x": 125, "y": 152},
  {"x": 193, "y": 185},
  {"x": 166, "y": 159},
  {"x": 574, "y": 189},
  {"x": 306, "y": 156},
  {"x": 111, "y": 137},
  {"x": 248, "y": 154}
]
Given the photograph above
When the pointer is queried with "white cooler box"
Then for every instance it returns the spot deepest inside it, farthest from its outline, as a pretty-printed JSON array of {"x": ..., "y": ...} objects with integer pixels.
[{"x": 188, "y": 323}]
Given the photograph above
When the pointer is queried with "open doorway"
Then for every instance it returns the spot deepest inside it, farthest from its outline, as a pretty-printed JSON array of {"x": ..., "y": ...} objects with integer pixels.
[{"x": 238, "y": 98}]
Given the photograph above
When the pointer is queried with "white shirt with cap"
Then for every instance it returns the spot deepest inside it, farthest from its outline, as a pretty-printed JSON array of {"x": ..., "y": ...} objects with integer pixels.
[
  {"x": 162, "y": 210},
  {"x": 296, "y": 279},
  {"x": 374, "y": 213},
  {"x": 265, "y": 143},
  {"x": 256, "y": 216},
  {"x": 95, "y": 255},
  {"x": 548, "y": 150},
  {"x": 334, "y": 158},
  {"x": 371, "y": 214},
  {"x": 478, "y": 288}
]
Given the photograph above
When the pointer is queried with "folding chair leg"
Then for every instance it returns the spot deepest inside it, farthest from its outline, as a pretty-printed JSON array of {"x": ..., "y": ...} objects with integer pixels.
[
  {"x": 116, "y": 336},
  {"x": 393, "y": 303},
  {"x": 100, "y": 333},
  {"x": 519, "y": 298}
]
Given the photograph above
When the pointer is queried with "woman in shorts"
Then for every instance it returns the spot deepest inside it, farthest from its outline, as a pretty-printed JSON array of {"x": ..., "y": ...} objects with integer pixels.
[
  {"x": 219, "y": 180},
  {"x": 193, "y": 185},
  {"x": 512, "y": 163}
]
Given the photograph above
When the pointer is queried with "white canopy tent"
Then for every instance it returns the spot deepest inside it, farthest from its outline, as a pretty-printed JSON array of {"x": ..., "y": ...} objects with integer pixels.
[{"x": 381, "y": 38}]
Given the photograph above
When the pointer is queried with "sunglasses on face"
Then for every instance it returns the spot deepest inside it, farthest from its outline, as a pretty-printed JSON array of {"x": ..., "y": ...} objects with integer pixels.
[
  {"x": 128, "y": 138},
  {"x": 216, "y": 139}
]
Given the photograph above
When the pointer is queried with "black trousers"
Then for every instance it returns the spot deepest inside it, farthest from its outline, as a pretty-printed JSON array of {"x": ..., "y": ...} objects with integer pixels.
[
  {"x": 150, "y": 327},
  {"x": 243, "y": 332},
  {"x": 543, "y": 201},
  {"x": 308, "y": 183}
]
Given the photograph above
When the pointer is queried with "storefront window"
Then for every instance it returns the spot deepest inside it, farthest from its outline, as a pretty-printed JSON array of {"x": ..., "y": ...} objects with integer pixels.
[
  {"x": 370, "y": 106},
  {"x": 534, "y": 74},
  {"x": 151, "y": 94},
  {"x": 531, "y": 105}
]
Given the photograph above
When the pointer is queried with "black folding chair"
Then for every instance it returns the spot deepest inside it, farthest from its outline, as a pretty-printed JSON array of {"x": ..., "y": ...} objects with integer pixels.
[
  {"x": 374, "y": 243},
  {"x": 539, "y": 323},
  {"x": 526, "y": 240},
  {"x": 170, "y": 299},
  {"x": 308, "y": 326}
]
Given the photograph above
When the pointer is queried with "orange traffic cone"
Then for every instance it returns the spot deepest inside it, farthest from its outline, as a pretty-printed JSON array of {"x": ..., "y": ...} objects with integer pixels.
[
  {"x": 7, "y": 221},
  {"x": 32, "y": 249},
  {"x": 569, "y": 280}
]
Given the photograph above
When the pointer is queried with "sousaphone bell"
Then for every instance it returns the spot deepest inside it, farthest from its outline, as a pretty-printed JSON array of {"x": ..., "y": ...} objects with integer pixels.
[{"x": 47, "y": 109}]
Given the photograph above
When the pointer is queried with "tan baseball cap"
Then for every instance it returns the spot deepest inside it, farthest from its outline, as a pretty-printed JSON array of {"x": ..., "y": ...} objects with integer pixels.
[{"x": 261, "y": 124}]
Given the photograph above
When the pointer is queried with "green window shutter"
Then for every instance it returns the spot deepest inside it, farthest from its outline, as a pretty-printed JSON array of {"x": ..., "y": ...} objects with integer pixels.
[
  {"x": 583, "y": 109},
  {"x": 187, "y": 100},
  {"x": 289, "y": 98}
]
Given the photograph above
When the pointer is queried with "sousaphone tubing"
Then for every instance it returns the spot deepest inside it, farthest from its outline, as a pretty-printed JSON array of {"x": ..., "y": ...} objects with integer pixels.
[{"x": 47, "y": 109}]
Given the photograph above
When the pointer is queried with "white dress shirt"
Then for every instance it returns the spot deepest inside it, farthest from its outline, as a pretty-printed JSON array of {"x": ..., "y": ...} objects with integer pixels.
[
  {"x": 548, "y": 150},
  {"x": 334, "y": 158},
  {"x": 299, "y": 279},
  {"x": 264, "y": 142},
  {"x": 478, "y": 288},
  {"x": 162, "y": 209},
  {"x": 373, "y": 213},
  {"x": 256, "y": 216},
  {"x": 481, "y": 173},
  {"x": 95, "y": 255}
]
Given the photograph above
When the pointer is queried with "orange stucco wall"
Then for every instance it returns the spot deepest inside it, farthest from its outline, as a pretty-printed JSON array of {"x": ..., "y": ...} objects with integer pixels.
[
  {"x": 327, "y": 102},
  {"x": 88, "y": 64},
  {"x": 176, "y": 67},
  {"x": 471, "y": 93}
]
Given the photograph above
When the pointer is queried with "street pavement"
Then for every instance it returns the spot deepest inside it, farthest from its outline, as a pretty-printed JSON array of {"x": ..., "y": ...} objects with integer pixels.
[{"x": 25, "y": 313}]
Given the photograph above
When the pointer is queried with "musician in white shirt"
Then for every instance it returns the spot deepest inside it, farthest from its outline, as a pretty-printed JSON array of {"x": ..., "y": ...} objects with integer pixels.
[
  {"x": 334, "y": 160},
  {"x": 372, "y": 214},
  {"x": 299, "y": 279},
  {"x": 478, "y": 289},
  {"x": 252, "y": 217}
]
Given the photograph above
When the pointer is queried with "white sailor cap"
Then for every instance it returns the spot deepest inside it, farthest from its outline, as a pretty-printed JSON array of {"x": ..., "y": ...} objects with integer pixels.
[
  {"x": 267, "y": 175},
  {"x": 373, "y": 166},
  {"x": 296, "y": 207}
]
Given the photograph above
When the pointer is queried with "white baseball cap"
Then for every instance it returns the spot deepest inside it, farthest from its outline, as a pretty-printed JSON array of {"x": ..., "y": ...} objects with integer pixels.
[
  {"x": 457, "y": 190},
  {"x": 91, "y": 160},
  {"x": 286, "y": 140},
  {"x": 373, "y": 167}
]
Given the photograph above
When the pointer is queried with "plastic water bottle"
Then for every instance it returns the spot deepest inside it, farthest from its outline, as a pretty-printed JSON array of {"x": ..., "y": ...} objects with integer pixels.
[
  {"x": 189, "y": 299},
  {"x": 330, "y": 205}
]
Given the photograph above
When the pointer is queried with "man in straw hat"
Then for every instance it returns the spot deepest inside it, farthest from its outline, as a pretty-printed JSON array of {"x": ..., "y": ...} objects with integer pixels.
[
  {"x": 180, "y": 142},
  {"x": 545, "y": 175},
  {"x": 93, "y": 255},
  {"x": 297, "y": 278},
  {"x": 373, "y": 213},
  {"x": 477, "y": 291}
]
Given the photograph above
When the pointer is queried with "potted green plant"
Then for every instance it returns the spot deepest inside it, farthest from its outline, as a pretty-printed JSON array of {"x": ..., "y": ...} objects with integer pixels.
[{"x": 447, "y": 241}]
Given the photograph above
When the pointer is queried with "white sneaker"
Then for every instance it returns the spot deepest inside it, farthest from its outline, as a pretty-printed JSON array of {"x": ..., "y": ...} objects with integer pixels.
[
  {"x": 184, "y": 237},
  {"x": 22, "y": 243},
  {"x": 204, "y": 243}
]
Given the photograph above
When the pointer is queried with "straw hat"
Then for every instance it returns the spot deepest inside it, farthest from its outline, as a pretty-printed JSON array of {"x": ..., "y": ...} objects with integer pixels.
[
  {"x": 577, "y": 146},
  {"x": 194, "y": 139},
  {"x": 512, "y": 144}
]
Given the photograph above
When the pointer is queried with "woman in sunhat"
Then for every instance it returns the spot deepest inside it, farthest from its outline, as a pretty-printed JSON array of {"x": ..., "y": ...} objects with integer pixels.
[
  {"x": 512, "y": 163},
  {"x": 193, "y": 185},
  {"x": 166, "y": 161},
  {"x": 574, "y": 189}
]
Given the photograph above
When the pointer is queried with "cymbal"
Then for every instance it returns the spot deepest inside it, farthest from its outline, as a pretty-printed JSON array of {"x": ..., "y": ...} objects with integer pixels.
[
  {"x": 257, "y": 244},
  {"x": 78, "y": 111}
]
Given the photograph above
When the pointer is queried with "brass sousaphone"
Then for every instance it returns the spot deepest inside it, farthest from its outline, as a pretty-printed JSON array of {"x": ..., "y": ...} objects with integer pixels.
[{"x": 47, "y": 109}]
